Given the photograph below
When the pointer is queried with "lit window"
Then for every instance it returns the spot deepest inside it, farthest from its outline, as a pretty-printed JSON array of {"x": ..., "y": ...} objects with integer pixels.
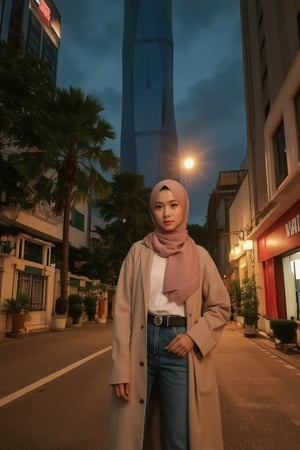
[{"x": 280, "y": 161}]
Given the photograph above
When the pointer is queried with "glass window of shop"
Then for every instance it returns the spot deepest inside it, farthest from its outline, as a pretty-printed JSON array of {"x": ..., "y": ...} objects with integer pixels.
[{"x": 291, "y": 273}]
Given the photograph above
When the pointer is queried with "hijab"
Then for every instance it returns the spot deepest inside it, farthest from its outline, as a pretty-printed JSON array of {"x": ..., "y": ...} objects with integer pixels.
[{"x": 182, "y": 270}]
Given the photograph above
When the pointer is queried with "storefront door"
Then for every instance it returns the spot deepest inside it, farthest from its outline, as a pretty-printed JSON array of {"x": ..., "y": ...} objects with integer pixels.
[{"x": 291, "y": 272}]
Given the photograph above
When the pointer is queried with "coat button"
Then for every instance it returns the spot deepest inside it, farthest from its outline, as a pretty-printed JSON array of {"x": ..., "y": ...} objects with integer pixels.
[
  {"x": 142, "y": 401},
  {"x": 142, "y": 327},
  {"x": 141, "y": 364}
]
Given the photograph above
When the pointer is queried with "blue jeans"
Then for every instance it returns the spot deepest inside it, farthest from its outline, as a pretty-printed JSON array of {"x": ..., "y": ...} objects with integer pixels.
[{"x": 170, "y": 373}]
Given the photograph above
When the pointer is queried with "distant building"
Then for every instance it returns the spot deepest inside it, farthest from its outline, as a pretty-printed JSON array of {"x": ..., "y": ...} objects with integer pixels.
[
  {"x": 148, "y": 135},
  {"x": 271, "y": 36},
  {"x": 218, "y": 217},
  {"x": 38, "y": 22}
]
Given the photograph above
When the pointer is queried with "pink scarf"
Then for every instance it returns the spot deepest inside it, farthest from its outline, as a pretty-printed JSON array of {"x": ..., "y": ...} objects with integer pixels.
[{"x": 182, "y": 270}]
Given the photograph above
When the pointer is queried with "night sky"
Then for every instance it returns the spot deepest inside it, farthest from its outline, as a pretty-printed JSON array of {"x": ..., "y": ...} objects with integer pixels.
[{"x": 208, "y": 80}]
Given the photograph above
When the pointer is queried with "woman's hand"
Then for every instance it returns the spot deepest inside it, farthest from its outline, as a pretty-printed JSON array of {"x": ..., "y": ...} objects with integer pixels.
[
  {"x": 181, "y": 345},
  {"x": 122, "y": 391}
]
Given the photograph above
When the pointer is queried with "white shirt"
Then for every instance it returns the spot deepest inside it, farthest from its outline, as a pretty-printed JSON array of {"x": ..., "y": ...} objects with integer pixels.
[{"x": 158, "y": 302}]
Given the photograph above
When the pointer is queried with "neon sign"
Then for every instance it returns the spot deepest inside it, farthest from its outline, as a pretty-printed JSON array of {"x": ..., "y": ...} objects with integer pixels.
[{"x": 45, "y": 10}]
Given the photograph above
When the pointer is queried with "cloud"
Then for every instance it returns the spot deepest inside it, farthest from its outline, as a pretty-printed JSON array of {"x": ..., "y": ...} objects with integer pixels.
[
  {"x": 91, "y": 43},
  {"x": 208, "y": 79},
  {"x": 194, "y": 17}
]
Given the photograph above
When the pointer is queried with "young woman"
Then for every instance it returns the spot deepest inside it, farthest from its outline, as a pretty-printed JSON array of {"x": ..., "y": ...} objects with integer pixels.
[{"x": 170, "y": 309}]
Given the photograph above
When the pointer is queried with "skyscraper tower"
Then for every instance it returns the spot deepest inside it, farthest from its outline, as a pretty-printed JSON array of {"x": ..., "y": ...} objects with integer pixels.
[{"x": 148, "y": 134}]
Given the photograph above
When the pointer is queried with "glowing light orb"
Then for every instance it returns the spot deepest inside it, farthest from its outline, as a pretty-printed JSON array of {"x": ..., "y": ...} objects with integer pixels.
[{"x": 189, "y": 163}]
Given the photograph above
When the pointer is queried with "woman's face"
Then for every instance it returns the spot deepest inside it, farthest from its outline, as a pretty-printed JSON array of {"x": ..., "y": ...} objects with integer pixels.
[{"x": 167, "y": 211}]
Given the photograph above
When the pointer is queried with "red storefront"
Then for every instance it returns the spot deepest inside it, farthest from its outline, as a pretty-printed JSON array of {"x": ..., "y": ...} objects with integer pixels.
[{"x": 279, "y": 252}]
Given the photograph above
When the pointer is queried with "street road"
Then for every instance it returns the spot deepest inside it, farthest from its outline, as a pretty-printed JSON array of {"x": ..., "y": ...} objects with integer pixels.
[{"x": 54, "y": 392}]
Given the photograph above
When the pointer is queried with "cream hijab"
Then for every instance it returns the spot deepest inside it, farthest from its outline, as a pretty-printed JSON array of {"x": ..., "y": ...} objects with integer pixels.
[{"x": 182, "y": 270}]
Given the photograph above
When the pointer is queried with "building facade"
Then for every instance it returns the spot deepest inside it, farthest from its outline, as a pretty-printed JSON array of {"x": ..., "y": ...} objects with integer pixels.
[
  {"x": 148, "y": 134},
  {"x": 30, "y": 240},
  {"x": 38, "y": 24},
  {"x": 271, "y": 50},
  {"x": 218, "y": 218}
]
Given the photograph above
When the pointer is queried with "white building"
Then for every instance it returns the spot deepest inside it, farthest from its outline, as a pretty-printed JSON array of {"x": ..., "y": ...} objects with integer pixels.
[{"x": 271, "y": 36}]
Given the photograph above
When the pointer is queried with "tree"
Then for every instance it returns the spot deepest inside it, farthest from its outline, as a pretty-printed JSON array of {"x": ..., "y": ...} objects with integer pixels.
[
  {"x": 126, "y": 212},
  {"x": 199, "y": 233},
  {"x": 127, "y": 208},
  {"x": 68, "y": 167},
  {"x": 25, "y": 96}
]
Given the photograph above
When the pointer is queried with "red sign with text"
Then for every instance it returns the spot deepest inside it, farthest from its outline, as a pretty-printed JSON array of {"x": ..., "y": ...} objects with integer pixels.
[{"x": 282, "y": 236}]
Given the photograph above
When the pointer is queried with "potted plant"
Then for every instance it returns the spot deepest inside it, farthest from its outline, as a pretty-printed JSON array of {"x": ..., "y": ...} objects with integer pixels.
[
  {"x": 284, "y": 332},
  {"x": 90, "y": 302},
  {"x": 60, "y": 316},
  {"x": 235, "y": 293},
  {"x": 249, "y": 306},
  {"x": 75, "y": 308},
  {"x": 18, "y": 308}
]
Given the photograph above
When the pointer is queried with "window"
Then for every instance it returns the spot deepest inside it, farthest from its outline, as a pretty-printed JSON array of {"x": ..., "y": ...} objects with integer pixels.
[
  {"x": 15, "y": 24},
  {"x": 291, "y": 273},
  {"x": 34, "y": 287},
  {"x": 34, "y": 36},
  {"x": 5, "y": 247},
  {"x": 280, "y": 161},
  {"x": 49, "y": 56},
  {"x": 297, "y": 114},
  {"x": 77, "y": 219},
  {"x": 33, "y": 252}
]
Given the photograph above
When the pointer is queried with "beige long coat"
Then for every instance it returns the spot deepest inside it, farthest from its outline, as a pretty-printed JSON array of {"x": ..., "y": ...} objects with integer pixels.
[{"x": 207, "y": 312}]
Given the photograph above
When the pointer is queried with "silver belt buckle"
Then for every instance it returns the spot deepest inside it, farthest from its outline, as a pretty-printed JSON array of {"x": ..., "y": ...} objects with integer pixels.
[{"x": 158, "y": 320}]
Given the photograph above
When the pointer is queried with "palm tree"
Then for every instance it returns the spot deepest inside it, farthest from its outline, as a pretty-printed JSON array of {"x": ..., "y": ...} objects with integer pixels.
[
  {"x": 126, "y": 213},
  {"x": 70, "y": 165},
  {"x": 127, "y": 207}
]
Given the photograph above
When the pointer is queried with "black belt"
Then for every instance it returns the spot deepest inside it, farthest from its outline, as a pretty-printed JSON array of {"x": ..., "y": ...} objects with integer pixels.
[{"x": 167, "y": 321}]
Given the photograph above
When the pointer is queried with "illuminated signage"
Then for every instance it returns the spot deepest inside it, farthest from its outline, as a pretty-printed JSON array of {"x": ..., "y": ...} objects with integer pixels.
[
  {"x": 293, "y": 226},
  {"x": 44, "y": 8}
]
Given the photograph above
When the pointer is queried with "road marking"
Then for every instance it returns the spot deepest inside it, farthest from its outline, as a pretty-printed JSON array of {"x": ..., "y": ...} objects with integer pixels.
[{"x": 31, "y": 387}]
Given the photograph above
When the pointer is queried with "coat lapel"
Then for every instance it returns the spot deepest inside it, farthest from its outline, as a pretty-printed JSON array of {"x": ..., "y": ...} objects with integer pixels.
[{"x": 146, "y": 264}]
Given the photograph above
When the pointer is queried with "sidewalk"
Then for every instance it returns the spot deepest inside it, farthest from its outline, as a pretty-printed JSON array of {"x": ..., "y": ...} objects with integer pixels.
[{"x": 291, "y": 356}]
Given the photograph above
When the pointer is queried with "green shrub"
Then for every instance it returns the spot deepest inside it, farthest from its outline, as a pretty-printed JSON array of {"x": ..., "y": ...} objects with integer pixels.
[
  {"x": 235, "y": 292},
  {"x": 21, "y": 303},
  {"x": 90, "y": 302},
  {"x": 75, "y": 311},
  {"x": 284, "y": 330},
  {"x": 249, "y": 301},
  {"x": 74, "y": 299}
]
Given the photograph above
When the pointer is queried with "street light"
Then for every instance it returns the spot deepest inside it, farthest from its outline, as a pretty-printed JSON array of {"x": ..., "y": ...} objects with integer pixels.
[{"x": 189, "y": 163}]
